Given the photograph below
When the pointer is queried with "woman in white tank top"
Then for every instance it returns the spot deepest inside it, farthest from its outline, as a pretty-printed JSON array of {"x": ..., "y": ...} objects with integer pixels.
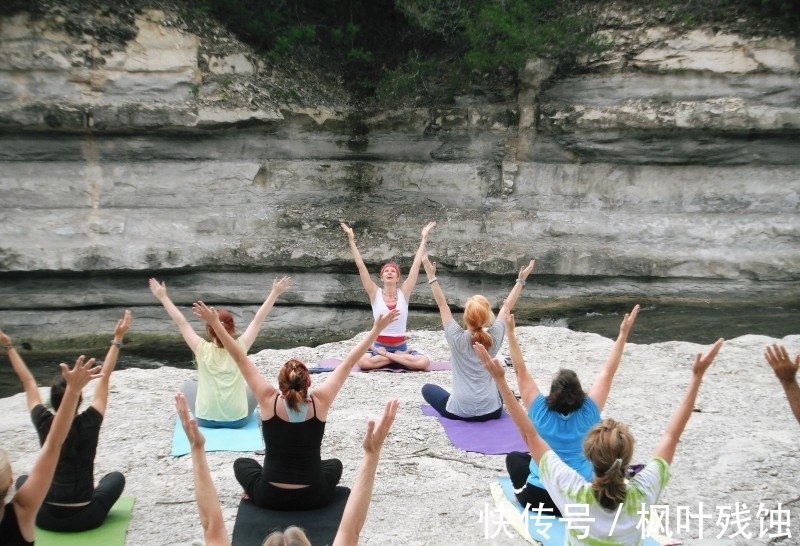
[{"x": 391, "y": 349}]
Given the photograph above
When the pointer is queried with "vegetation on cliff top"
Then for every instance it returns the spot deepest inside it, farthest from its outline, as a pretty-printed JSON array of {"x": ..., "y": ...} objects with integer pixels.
[
  {"x": 429, "y": 51},
  {"x": 396, "y": 50}
]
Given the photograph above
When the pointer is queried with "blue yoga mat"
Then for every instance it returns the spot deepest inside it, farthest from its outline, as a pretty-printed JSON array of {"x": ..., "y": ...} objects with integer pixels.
[
  {"x": 545, "y": 530},
  {"x": 247, "y": 438},
  {"x": 492, "y": 437}
]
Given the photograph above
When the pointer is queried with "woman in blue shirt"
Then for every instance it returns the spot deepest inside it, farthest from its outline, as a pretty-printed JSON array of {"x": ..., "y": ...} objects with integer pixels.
[{"x": 562, "y": 418}]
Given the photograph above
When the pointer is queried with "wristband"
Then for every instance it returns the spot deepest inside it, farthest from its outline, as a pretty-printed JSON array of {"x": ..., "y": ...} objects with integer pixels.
[
  {"x": 117, "y": 344},
  {"x": 521, "y": 281},
  {"x": 433, "y": 280},
  {"x": 9, "y": 346}
]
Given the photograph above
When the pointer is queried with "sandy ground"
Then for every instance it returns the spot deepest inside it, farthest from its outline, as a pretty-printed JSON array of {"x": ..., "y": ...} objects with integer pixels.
[{"x": 740, "y": 446}]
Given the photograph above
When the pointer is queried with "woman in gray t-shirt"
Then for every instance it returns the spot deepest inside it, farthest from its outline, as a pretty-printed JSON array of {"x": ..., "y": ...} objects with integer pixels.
[{"x": 474, "y": 396}]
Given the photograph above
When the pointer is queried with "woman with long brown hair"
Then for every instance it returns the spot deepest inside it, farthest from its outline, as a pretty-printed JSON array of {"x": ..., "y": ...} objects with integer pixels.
[
  {"x": 612, "y": 504},
  {"x": 294, "y": 476},
  {"x": 474, "y": 396},
  {"x": 562, "y": 418}
]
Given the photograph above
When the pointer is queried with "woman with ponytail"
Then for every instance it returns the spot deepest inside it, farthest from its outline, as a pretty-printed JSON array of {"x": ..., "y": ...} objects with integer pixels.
[
  {"x": 294, "y": 476},
  {"x": 612, "y": 505},
  {"x": 474, "y": 396}
]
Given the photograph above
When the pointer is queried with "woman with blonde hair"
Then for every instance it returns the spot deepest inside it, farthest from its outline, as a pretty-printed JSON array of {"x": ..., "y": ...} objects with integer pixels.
[
  {"x": 294, "y": 476},
  {"x": 18, "y": 510},
  {"x": 612, "y": 504},
  {"x": 474, "y": 396}
]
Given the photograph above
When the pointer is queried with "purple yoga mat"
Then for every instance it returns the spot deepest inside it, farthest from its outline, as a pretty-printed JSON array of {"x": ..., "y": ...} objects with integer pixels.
[
  {"x": 493, "y": 437},
  {"x": 328, "y": 364}
]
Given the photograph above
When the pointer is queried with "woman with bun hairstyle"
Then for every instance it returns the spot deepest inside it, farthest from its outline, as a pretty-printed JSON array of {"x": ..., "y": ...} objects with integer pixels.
[
  {"x": 293, "y": 417},
  {"x": 474, "y": 396}
]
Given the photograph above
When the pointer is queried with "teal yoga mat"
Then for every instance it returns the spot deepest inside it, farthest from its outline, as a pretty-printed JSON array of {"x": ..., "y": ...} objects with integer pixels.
[
  {"x": 111, "y": 533},
  {"x": 247, "y": 438}
]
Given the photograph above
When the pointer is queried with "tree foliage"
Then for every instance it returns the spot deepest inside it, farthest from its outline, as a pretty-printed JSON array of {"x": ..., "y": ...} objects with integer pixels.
[{"x": 401, "y": 50}]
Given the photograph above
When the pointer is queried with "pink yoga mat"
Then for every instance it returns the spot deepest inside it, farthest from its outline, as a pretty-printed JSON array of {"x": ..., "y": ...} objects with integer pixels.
[
  {"x": 493, "y": 437},
  {"x": 329, "y": 364}
]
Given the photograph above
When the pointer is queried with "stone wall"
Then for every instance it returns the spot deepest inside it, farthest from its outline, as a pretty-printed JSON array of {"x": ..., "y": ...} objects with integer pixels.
[{"x": 667, "y": 170}]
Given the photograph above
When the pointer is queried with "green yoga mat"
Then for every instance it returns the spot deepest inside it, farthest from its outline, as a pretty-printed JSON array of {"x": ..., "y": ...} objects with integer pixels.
[{"x": 111, "y": 533}]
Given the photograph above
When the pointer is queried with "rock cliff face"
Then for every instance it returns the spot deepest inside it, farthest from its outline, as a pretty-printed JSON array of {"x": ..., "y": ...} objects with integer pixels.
[{"x": 667, "y": 170}]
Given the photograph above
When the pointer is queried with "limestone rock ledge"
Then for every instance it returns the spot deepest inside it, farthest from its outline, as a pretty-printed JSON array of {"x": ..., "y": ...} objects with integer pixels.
[{"x": 667, "y": 166}]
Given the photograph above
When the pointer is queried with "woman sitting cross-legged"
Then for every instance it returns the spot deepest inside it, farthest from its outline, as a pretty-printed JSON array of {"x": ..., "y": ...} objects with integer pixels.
[
  {"x": 294, "y": 476},
  {"x": 18, "y": 510},
  {"x": 219, "y": 398},
  {"x": 73, "y": 503},
  {"x": 612, "y": 506},
  {"x": 562, "y": 419},
  {"x": 390, "y": 347},
  {"x": 474, "y": 396},
  {"x": 355, "y": 511}
]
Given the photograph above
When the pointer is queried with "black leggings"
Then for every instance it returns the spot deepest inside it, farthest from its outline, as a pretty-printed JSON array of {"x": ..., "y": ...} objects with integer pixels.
[
  {"x": 250, "y": 475},
  {"x": 81, "y": 518},
  {"x": 518, "y": 466}
]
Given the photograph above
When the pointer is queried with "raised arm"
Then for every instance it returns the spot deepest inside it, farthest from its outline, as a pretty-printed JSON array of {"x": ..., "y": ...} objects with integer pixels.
[
  {"x": 786, "y": 372},
  {"x": 100, "y": 399},
  {"x": 602, "y": 384},
  {"x": 672, "y": 434},
  {"x": 191, "y": 338},
  {"x": 250, "y": 334},
  {"x": 355, "y": 511},
  {"x": 536, "y": 445},
  {"x": 366, "y": 281},
  {"x": 436, "y": 289},
  {"x": 262, "y": 389},
  {"x": 32, "y": 493},
  {"x": 208, "y": 506},
  {"x": 413, "y": 273},
  {"x": 511, "y": 300},
  {"x": 327, "y": 392},
  {"x": 528, "y": 388},
  {"x": 32, "y": 396}
]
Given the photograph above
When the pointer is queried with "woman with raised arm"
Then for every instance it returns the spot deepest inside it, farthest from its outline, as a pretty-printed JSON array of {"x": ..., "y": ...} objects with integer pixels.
[
  {"x": 18, "y": 512},
  {"x": 294, "y": 476},
  {"x": 786, "y": 371},
  {"x": 355, "y": 511},
  {"x": 219, "y": 398},
  {"x": 563, "y": 418},
  {"x": 612, "y": 505},
  {"x": 474, "y": 396},
  {"x": 73, "y": 503},
  {"x": 390, "y": 348}
]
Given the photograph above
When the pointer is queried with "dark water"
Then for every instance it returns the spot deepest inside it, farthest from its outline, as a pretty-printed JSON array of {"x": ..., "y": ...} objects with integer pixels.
[{"x": 654, "y": 324}]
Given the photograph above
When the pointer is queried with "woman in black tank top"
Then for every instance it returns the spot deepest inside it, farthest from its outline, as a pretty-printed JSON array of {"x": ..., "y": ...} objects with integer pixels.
[{"x": 294, "y": 476}]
